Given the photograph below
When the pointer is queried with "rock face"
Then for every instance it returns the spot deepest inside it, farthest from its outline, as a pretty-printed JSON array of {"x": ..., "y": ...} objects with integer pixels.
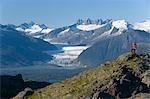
[
  {"x": 12, "y": 85},
  {"x": 123, "y": 85},
  {"x": 125, "y": 77}
]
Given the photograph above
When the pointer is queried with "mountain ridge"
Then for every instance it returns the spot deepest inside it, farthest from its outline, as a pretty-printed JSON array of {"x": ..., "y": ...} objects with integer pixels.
[
  {"x": 87, "y": 31},
  {"x": 86, "y": 25}
]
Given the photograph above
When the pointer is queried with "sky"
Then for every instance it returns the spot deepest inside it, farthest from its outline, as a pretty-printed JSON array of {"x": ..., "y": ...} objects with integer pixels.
[{"x": 58, "y": 13}]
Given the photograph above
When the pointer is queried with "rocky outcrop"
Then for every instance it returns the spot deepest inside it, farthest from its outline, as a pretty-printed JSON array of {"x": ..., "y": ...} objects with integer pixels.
[
  {"x": 125, "y": 77},
  {"x": 12, "y": 85},
  {"x": 124, "y": 84},
  {"x": 22, "y": 94}
]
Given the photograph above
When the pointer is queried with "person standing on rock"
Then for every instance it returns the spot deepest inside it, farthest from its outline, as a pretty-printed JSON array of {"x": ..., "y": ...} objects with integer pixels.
[{"x": 133, "y": 50}]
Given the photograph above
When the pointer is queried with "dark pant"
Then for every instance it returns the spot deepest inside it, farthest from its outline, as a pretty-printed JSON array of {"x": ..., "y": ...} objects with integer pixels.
[{"x": 133, "y": 51}]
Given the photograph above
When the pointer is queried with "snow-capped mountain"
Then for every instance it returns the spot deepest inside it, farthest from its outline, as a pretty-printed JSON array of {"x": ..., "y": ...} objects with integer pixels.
[
  {"x": 120, "y": 24},
  {"x": 33, "y": 28},
  {"x": 87, "y": 31},
  {"x": 82, "y": 32},
  {"x": 88, "y": 24},
  {"x": 143, "y": 26}
]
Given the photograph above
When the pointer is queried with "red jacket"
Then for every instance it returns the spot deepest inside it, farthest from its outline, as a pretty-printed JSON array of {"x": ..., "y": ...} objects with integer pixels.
[{"x": 133, "y": 45}]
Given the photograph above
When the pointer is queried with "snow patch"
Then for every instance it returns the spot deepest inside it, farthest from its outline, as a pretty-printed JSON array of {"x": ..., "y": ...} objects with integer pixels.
[
  {"x": 88, "y": 27},
  {"x": 109, "y": 33},
  {"x": 35, "y": 28},
  {"x": 143, "y": 26},
  {"x": 46, "y": 30},
  {"x": 120, "y": 24},
  {"x": 38, "y": 36},
  {"x": 47, "y": 40},
  {"x": 20, "y": 29},
  {"x": 61, "y": 33}
]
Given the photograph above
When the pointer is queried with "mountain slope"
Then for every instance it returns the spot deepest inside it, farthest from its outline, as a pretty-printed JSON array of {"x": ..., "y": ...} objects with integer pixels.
[
  {"x": 121, "y": 78},
  {"x": 78, "y": 33},
  {"x": 87, "y": 31},
  {"x": 111, "y": 47},
  {"x": 18, "y": 49}
]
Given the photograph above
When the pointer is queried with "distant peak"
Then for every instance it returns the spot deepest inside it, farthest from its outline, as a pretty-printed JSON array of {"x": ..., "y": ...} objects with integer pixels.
[
  {"x": 145, "y": 25},
  {"x": 88, "y": 21},
  {"x": 28, "y": 23},
  {"x": 43, "y": 26},
  {"x": 120, "y": 24},
  {"x": 32, "y": 23}
]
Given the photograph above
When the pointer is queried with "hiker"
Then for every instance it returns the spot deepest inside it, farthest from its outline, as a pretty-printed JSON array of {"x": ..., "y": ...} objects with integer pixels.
[{"x": 133, "y": 50}]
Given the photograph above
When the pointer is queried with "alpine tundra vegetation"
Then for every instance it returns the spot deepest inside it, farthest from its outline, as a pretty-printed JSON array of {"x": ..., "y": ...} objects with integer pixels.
[{"x": 125, "y": 77}]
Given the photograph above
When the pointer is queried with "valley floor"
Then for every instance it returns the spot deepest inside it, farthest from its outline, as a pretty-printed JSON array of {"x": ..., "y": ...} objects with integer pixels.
[
  {"x": 60, "y": 68},
  {"x": 42, "y": 73}
]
